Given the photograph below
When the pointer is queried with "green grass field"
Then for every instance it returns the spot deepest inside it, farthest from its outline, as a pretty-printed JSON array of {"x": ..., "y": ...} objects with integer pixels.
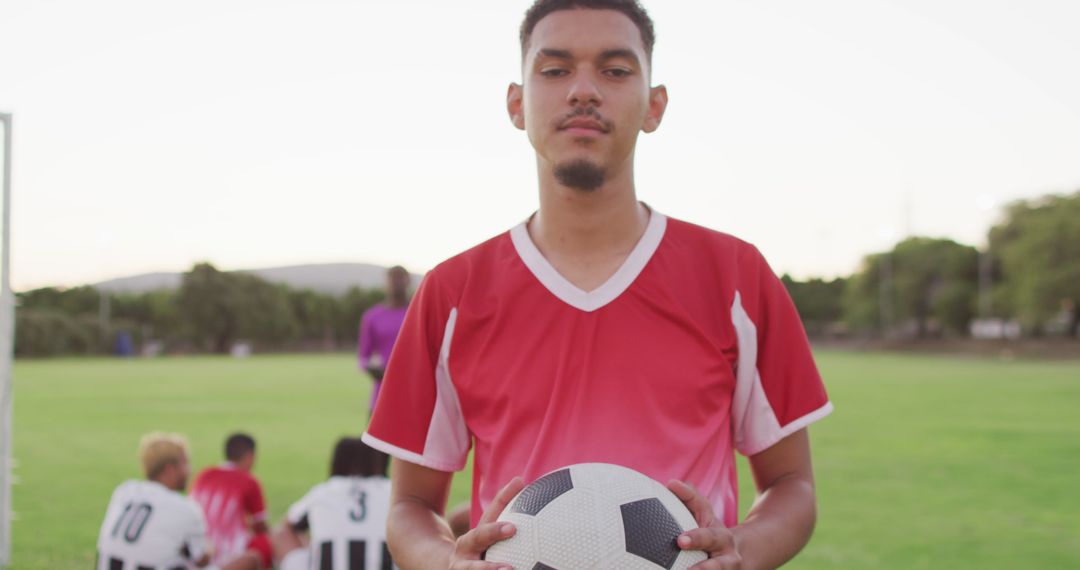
[{"x": 928, "y": 462}]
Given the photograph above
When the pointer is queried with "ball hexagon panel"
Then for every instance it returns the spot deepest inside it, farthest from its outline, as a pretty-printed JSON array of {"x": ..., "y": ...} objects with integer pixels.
[
  {"x": 650, "y": 532},
  {"x": 537, "y": 495}
]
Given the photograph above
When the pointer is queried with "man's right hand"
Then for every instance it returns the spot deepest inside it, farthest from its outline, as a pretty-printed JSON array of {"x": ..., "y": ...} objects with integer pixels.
[{"x": 470, "y": 547}]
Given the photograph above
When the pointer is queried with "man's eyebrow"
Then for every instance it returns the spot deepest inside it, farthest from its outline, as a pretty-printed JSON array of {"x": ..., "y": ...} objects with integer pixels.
[
  {"x": 617, "y": 53},
  {"x": 556, "y": 53}
]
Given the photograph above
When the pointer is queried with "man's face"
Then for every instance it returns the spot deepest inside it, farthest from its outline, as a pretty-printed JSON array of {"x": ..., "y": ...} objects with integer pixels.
[
  {"x": 183, "y": 471},
  {"x": 585, "y": 93},
  {"x": 397, "y": 281}
]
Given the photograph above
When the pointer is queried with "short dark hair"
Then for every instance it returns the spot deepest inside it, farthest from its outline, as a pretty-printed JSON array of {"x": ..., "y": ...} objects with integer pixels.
[
  {"x": 353, "y": 457},
  {"x": 238, "y": 445},
  {"x": 631, "y": 8}
]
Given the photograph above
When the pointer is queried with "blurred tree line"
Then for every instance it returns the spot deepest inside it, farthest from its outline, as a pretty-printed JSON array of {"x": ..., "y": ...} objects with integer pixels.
[
  {"x": 924, "y": 287},
  {"x": 1029, "y": 273},
  {"x": 210, "y": 312}
]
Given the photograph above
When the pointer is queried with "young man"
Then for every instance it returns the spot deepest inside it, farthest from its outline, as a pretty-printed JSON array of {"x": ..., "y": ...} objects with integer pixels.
[
  {"x": 379, "y": 328},
  {"x": 599, "y": 330},
  {"x": 344, "y": 517},
  {"x": 232, "y": 500},
  {"x": 149, "y": 524}
]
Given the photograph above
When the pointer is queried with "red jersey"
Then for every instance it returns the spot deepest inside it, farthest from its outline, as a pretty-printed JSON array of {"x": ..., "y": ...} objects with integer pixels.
[
  {"x": 231, "y": 499},
  {"x": 690, "y": 351}
]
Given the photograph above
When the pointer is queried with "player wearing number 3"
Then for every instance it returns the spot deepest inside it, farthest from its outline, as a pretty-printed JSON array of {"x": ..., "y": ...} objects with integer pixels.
[
  {"x": 344, "y": 517},
  {"x": 599, "y": 330}
]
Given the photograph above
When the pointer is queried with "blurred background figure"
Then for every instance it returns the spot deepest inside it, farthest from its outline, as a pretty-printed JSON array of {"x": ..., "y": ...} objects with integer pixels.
[
  {"x": 149, "y": 523},
  {"x": 232, "y": 501},
  {"x": 340, "y": 523},
  {"x": 379, "y": 328}
]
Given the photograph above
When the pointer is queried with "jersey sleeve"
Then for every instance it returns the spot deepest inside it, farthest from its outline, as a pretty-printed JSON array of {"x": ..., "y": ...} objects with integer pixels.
[
  {"x": 418, "y": 415},
  {"x": 778, "y": 388},
  {"x": 299, "y": 511},
  {"x": 254, "y": 503},
  {"x": 194, "y": 533}
]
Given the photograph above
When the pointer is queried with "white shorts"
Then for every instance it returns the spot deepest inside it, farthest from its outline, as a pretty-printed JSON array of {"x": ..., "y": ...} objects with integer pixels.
[{"x": 298, "y": 559}]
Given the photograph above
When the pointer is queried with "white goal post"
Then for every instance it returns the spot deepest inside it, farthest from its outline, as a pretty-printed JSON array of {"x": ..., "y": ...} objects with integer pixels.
[{"x": 7, "y": 353}]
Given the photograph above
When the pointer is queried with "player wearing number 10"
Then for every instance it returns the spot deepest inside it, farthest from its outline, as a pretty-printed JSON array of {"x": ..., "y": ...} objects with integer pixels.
[
  {"x": 149, "y": 524},
  {"x": 344, "y": 516}
]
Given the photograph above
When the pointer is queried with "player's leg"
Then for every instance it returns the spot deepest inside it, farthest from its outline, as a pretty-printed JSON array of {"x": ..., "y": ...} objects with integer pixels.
[
  {"x": 246, "y": 561},
  {"x": 290, "y": 548},
  {"x": 258, "y": 556}
]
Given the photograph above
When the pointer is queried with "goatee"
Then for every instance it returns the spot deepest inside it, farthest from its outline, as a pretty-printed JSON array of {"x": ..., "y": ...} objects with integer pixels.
[{"x": 580, "y": 175}]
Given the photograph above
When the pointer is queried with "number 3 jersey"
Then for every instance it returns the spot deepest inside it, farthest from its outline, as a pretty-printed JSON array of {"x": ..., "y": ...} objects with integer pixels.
[
  {"x": 148, "y": 526},
  {"x": 346, "y": 518}
]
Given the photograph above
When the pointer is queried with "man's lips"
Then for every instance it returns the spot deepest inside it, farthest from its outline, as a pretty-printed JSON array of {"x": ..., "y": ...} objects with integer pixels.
[{"x": 583, "y": 126}]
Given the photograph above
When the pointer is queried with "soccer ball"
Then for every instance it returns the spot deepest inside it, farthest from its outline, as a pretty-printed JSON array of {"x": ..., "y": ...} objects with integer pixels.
[{"x": 595, "y": 516}]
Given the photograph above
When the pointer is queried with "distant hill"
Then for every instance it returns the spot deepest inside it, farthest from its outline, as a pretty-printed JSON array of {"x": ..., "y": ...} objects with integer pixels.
[{"x": 330, "y": 278}]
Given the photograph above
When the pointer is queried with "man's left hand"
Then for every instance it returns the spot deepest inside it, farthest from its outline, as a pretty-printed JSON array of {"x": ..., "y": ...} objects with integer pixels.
[{"x": 713, "y": 537}]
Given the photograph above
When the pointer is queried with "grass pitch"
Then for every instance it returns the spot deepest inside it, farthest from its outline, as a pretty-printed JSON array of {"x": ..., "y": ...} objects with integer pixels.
[{"x": 928, "y": 462}]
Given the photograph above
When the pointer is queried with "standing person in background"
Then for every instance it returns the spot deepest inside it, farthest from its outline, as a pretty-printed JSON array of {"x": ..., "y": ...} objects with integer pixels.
[
  {"x": 379, "y": 328},
  {"x": 232, "y": 500}
]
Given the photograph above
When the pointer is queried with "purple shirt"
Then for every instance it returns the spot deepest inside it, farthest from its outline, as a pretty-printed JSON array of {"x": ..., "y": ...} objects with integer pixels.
[{"x": 378, "y": 330}]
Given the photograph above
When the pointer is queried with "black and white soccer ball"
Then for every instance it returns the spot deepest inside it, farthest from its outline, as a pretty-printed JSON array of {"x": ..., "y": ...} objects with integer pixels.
[{"x": 595, "y": 516}]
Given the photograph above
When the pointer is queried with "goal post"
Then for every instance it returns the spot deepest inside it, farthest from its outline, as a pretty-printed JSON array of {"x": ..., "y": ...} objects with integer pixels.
[{"x": 7, "y": 351}]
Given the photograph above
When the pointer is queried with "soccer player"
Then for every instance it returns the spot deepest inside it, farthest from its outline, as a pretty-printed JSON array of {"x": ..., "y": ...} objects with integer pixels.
[
  {"x": 232, "y": 500},
  {"x": 149, "y": 524},
  {"x": 599, "y": 330},
  {"x": 345, "y": 517},
  {"x": 379, "y": 328}
]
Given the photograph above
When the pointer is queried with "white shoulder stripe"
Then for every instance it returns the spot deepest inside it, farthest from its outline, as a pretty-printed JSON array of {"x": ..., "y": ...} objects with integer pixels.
[
  {"x": 447, "y": 442},
  {"x": 756, "y": 427},
  {"x": 448, "y": 438},
  {"x": 753, "y": 417}
]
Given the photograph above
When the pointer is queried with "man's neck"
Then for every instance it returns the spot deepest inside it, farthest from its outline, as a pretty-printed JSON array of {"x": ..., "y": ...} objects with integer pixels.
[{"x": 586, "y": 235}]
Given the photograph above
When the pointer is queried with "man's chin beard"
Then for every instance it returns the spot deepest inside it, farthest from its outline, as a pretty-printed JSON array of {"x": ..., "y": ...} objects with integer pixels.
[{"x": 580, "y": 175}]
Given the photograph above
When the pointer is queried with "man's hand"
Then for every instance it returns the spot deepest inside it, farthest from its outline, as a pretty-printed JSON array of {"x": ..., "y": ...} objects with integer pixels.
[
  {"x": 470, "y": 547},
  {"x": 376, "y": 373},
  {"x": 712, "y": 537}
]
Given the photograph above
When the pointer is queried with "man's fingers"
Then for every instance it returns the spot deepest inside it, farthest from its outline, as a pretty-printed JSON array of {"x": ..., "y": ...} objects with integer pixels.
[
  {"x": 698, "y": 505},
  {"x": 479, "y": 539},
  {"x": 478, "y": 565},
  {"x": 502, "y": 498},
  {"x": 710, "y": 540},
  {"x": 719, "y": 563}
]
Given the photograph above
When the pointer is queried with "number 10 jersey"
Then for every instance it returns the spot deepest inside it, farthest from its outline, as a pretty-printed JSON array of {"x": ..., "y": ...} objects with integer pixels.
[{"x": 148, "y": 526}]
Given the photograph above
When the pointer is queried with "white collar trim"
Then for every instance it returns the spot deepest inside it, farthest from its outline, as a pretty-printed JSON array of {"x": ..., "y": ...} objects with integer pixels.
[{"x": 620, "y": 281}]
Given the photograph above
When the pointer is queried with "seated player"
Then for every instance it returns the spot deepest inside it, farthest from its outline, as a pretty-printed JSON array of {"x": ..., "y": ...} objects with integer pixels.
[
  {"x": 232, "y": 500},
  {"x": 345, "y": 517},
  {"x": 149, "y": 524}
]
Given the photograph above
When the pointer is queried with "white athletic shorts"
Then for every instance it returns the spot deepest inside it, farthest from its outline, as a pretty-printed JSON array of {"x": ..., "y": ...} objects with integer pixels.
[{"x": 298, "y": 559}]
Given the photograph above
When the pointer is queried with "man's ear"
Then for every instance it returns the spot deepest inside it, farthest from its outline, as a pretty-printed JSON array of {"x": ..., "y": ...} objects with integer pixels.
[
  {"x": 658, "y": 100},
  {"x": 515, "y": 105}
]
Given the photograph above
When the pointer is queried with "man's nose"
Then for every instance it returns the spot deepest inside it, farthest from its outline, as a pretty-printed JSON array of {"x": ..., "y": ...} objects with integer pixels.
[{"x": 584, "y": 91}]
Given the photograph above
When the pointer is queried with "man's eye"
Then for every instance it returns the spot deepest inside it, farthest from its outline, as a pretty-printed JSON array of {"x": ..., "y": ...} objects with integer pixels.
[
  {"x": 618, "y": 72},
  {"x": 553, "y": 72}
]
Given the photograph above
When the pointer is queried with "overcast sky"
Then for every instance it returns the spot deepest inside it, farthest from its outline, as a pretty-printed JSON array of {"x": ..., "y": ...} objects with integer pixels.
[{"x": 153, "y": 134}]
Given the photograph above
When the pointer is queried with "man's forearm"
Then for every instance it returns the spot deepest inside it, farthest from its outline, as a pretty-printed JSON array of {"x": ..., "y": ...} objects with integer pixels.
[
  {"x": 418, "y": 537},
  {"x": 779, "y": 524}
]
